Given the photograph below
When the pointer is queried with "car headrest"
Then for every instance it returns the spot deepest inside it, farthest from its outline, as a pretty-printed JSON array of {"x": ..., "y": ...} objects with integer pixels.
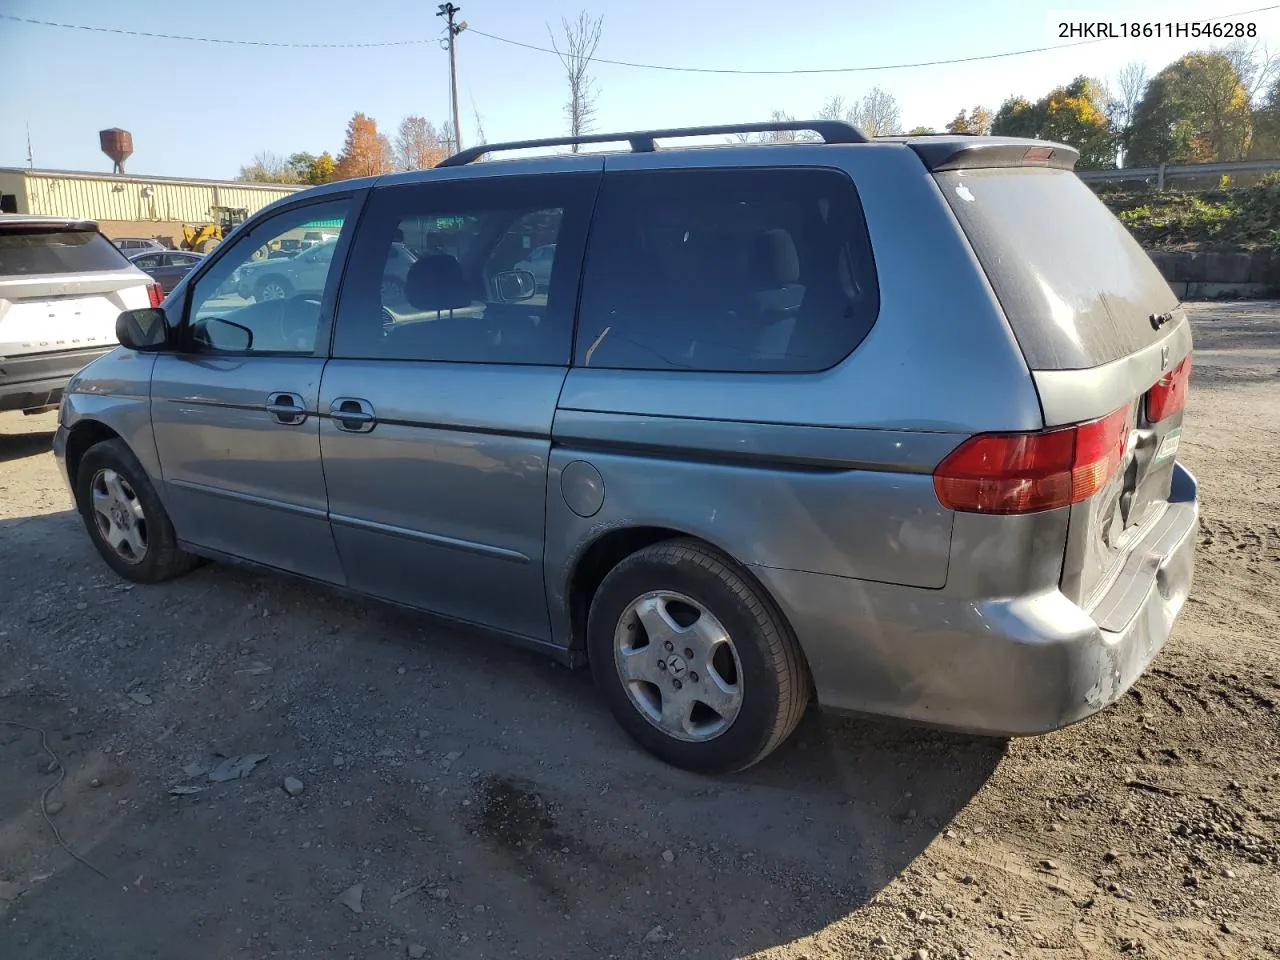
[
  {"x": 436, "y": 283},
  {"x": 774, "y": 260}
]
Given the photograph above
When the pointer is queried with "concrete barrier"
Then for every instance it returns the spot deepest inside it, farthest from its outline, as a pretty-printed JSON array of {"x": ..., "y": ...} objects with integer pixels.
[{"x": 1219, "y": 275}]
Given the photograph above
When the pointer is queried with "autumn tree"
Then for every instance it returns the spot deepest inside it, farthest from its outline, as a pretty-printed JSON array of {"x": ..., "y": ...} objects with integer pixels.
[
  {"x": 1194, "y": 110},
  {"x": 1077, "y": 115},
  {"x": 365, "y": 152},
  {"x": 976, "y": 122},
  {"x": 575, "y": 50},
  {"x": 418, "y": 144},
  {"x": 876, "y": 114}
]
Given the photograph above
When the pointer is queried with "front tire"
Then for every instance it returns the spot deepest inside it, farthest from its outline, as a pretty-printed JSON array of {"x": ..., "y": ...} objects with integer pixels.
[
  {"x": 124, "y": 516},
  {"x": 272, "y": 288},
  {"x": 694, "y": 660}
]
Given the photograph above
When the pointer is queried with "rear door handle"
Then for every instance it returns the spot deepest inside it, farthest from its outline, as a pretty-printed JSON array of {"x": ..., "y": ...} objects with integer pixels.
[
  {"x": 353, "y": 414},
  {"x": 287, "y": 408}
]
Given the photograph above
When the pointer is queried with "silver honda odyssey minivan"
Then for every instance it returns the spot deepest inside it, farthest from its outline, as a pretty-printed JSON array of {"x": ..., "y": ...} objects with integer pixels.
[{"x": 890, "y": 425}]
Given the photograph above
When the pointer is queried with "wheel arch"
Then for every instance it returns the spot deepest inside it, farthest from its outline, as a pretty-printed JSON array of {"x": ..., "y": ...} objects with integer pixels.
[
  {"x": 610, "y": 548},
  {"x": 84, "y": 434},
  {"x": 280, "y": 278}
]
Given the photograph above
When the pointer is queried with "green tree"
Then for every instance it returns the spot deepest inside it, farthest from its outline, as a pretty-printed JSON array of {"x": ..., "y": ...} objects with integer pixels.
[
  {"x": 1265, "y": 144},
  {"x": 976, "y": 122},
  {"x": 321, "y": 169},
  {"x": 1017, "y": 117},
  {"x": 921, "y": 132},
  {"x": 1077, "y": 115},
  {"x": 300, "y": 163},
  {"x": 1194, "y": 110}
]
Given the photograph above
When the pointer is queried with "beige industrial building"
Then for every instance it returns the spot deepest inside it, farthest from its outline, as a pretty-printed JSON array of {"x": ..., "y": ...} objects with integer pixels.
[{"x": 131, "y": 206}]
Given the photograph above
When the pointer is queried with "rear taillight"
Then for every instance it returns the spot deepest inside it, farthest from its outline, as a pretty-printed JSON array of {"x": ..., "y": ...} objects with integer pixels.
[
  {"x": 1004, "y": 473},
  {"x": 155, "y": 293},
  {"x": 1169, "y": 395}
]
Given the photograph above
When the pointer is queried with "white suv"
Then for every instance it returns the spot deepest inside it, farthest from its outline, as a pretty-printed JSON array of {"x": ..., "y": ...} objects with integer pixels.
[{"x": 62, "y": 285}]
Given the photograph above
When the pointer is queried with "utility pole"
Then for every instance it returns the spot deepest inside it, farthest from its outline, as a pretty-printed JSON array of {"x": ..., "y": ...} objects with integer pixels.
[{"x": 449, "y": 11}]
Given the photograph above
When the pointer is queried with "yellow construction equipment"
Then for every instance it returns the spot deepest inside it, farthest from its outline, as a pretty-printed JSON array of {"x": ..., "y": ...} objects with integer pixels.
[{"x": 205, "y": 237}]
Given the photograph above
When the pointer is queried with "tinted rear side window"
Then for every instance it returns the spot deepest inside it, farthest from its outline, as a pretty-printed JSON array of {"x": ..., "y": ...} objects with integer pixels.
[
  {"x": 726, "y": 270},
  {"x": 1077, "y": 289},
  {"x": 34, "y": 251}
]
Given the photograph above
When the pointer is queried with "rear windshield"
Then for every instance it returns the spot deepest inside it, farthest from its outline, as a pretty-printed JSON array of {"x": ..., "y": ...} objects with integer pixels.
[
  {"x": 39, "y": 251},
  {"x": 1077, "y": 289}
]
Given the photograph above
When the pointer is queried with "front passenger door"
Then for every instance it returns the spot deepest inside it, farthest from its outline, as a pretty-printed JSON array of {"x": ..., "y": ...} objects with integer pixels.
[{"x": 234, "y": 411}]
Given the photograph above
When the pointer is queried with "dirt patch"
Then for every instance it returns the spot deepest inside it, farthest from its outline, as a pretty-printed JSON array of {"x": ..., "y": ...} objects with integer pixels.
[{"x": 515, "y": 816}]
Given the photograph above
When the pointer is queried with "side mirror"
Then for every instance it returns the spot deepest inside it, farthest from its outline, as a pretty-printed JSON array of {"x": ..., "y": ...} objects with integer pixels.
[
  {"x": 512, "y": 286},
  {"x": 143, "y": 330},
  {"x": 225, "y": 335}
]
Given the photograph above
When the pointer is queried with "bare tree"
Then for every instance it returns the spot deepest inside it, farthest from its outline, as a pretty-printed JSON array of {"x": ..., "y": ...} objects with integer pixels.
[
  {"x": 876, "y": 114},
  {"x": 773, "y": 136},
  {"x": 581, "y": 37},
  {"x": 480, "y": 137},
  {"x": 418, "y": 144},
  {"x": 1255, "y": 64},
  {"x": 447, "y": 138},
  {"x": 1132, "y": 84},
  {"x": 268, "y": 167}
]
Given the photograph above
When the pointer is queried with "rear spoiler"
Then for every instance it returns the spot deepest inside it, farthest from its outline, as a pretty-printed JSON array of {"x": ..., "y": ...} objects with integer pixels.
[
  {"x": 972, "y": 153},
  {"x": 19, "y": 222}
]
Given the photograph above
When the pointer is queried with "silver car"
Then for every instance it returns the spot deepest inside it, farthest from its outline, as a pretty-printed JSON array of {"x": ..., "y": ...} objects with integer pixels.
[{"x": 887, "y": 425}]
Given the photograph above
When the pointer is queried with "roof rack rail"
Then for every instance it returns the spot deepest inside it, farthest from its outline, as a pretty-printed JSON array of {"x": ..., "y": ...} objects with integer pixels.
[{"x": 831, "y": 131}]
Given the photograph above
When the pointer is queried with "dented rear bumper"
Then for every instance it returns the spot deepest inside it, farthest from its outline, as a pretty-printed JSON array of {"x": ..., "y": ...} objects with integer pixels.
[{"x": 1008, "y": 666}]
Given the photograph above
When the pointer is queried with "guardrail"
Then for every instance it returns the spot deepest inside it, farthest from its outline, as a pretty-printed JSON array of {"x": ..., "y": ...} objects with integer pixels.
[{"x": 1166, "y": 171}]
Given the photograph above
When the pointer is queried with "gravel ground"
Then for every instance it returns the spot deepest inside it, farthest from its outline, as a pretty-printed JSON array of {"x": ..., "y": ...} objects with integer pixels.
[{"x": 458, "y": 799}]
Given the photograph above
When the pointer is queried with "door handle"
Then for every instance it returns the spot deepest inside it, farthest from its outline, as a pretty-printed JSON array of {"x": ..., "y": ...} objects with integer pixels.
[
  {"x": 352, "y": 414},
  {"x": 287, "y": 408}
]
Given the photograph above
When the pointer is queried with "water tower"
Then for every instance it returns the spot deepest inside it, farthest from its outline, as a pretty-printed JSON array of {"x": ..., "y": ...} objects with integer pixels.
[{"x": 118, "y": 145}]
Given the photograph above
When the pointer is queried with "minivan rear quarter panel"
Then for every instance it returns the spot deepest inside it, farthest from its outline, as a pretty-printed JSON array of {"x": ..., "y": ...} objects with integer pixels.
[{"x": 829, "y": 472}]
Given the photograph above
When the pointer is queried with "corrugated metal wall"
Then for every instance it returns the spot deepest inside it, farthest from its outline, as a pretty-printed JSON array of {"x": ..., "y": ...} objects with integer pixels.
[{"x": 127, "y": 198}]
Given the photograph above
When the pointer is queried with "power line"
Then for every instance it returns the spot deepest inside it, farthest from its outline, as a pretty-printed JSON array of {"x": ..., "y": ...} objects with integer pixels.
[
  {"x": 617, "y": 63},
  {"x": 151, "y": 35}
]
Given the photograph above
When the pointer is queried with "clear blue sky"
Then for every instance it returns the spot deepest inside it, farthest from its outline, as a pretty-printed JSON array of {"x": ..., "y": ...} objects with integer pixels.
[{"x": 202, "y": 110}]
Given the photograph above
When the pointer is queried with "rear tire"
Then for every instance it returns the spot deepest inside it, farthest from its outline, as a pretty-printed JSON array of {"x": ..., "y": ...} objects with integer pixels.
[
  {"x": 124, "y": 516},
  {"x": 694, "y": 660}
]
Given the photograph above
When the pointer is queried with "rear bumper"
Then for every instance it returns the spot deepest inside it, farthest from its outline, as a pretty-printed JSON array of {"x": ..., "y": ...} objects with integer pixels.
[
  {"x": 1003, "y": 666},
  {"x": 37, "y": 379}
]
